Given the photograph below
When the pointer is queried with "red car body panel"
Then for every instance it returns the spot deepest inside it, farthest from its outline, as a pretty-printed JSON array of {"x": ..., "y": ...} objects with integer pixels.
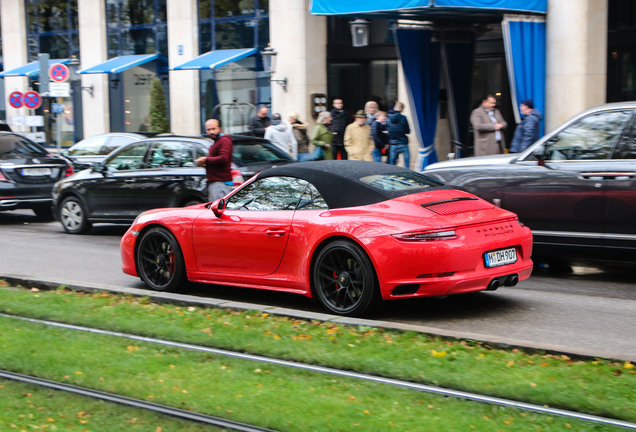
[{"x": 274, "y": 249}]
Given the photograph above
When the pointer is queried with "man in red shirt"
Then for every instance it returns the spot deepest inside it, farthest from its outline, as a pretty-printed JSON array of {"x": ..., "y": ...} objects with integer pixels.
[{"x": 218, "y": 163}]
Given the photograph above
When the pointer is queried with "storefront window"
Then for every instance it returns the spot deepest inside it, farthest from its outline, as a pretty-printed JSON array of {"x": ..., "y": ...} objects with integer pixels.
[
  {"x": 137, "y": 82},
  {"x": 231, "y": 92}
]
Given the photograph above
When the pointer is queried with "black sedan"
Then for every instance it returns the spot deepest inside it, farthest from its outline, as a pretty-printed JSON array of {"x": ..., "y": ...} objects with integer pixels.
[
  {"x": 575, "y": 187},
  {"x": 27, "y": 174},
  {"x": 152, "y": 173}
]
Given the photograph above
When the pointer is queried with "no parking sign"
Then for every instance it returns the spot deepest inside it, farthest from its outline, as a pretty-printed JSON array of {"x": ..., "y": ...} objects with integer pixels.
[
  {"x": 32, "y": 100},
  {"x": 59, "y": 72},
  {"x": 15, "y": 99}
]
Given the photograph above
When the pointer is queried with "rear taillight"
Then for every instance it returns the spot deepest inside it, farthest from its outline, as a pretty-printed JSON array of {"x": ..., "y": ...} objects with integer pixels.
[
  {"x": 426, "y": 235},
  {"x": 69, "y": 170},
  {"x": 237, "y": 177}
]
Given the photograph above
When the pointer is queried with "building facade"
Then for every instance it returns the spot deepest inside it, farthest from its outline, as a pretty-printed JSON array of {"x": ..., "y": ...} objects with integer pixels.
[{"x": 590, "y": 57}]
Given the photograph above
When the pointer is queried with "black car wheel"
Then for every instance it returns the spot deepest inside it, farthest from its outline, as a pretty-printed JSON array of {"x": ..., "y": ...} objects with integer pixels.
[
  {"x": 159, "y": 260},
  {"x": 72, "y": 215},
  {"x": 344, "y": 279}
]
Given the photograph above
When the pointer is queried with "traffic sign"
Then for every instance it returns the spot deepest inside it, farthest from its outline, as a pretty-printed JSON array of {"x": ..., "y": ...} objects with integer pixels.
[
  {"x": 59, "y": 72},
  {"x": 32, "y": 100},
  {"x": 15, "y": 99},
  {"x": 62, "y": 89},
  {"x": 57, "y": 108}
]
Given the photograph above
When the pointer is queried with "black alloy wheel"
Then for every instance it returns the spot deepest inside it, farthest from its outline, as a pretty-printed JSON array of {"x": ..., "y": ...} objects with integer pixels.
[
  {"x": 159, "y": 260},
  {"x": 344, "y": 279},
  {"x": 72, "y": 215}
]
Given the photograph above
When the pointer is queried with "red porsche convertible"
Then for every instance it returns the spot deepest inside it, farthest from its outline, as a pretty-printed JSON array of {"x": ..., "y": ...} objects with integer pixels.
[{"x": 348, "y": 233}]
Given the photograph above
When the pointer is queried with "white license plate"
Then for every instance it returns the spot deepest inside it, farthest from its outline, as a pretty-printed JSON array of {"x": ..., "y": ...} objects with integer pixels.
[
  {"x": 36, "y": 171},
  {"x": 500, "y": 257}
]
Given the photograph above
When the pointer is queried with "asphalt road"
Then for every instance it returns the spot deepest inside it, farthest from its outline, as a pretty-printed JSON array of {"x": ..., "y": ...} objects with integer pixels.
[{"x": 589, "y": 312}]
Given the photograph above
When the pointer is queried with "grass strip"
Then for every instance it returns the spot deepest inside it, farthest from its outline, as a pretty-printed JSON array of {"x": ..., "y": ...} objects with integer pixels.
[
  {"x": 28, "y": 407},
  {"x": 266, "y": 395},
  {"x": 599, "y": 386}
]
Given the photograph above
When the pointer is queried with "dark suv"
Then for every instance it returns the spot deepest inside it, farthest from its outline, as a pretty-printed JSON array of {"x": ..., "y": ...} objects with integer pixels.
[
  {"x": 575, "y": 187},
  {"x": 27, "y": 174}
]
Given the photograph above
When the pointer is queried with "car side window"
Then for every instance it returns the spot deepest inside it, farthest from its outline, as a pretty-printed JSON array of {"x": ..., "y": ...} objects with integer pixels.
[
  {"x": 312, "y": 200},
  {"x": 171, "y": 154},
  {"x": 130, "y": 158},
  {"x": 592, "y": 137},
  {"x": 270, "y": 193},
  {"x": 627, "y": 146}
]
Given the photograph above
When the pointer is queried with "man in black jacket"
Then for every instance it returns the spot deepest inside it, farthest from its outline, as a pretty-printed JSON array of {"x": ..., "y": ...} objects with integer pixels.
[
  {"x": 259, "y": 122},
  {"x": 339, "y": 123}
]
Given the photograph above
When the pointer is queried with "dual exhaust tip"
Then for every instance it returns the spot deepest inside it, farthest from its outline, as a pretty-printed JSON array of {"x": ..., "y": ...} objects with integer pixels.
[{"x": 509, "y": 280}]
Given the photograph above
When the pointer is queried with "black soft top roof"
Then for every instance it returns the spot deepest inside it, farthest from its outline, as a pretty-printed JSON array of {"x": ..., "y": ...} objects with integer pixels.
[{"x": 339, "y": 181}]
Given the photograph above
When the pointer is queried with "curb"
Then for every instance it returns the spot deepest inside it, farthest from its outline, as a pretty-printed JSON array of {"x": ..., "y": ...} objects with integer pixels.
[{"x": 175, "y": 298}]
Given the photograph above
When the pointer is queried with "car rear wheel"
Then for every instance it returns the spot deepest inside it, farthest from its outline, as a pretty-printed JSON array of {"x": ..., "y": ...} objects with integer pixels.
[
  {"x": 159, "y": 260},
  {"x": 72, "y": 215},
  {"x": 344, "y": 280}
]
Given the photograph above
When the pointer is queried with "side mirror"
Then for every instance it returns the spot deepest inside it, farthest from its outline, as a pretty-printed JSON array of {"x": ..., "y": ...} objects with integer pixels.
[{"x": 218, "y": 207}]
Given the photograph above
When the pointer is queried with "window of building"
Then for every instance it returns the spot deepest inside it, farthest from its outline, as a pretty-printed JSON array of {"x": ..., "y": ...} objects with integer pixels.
[
  {"x": 52, "y": 27},
  {"x": 231, "y": 91},
  {"x": 621, "y": 48},
  {"x": 136, "y": 27}
]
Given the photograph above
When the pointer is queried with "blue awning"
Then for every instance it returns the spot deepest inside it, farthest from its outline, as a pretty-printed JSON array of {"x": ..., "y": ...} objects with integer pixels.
[
  {"x": 120, "y": 64},
  {"x": 216, "y": 58},
  {"x": 31, "y": 70},
  {"x": 415, "y": 8}
]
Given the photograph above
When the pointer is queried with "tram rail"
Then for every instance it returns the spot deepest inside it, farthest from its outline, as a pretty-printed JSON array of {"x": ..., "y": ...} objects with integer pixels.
[{"x": 303, "y": 366}]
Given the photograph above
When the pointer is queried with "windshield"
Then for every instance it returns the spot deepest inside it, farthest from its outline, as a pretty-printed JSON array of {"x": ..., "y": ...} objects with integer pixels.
[{"x": 12, "y": 146}]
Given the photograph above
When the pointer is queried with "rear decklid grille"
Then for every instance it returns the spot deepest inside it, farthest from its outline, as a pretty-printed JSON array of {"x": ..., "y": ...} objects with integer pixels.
[{"x": 457, "y": 205}]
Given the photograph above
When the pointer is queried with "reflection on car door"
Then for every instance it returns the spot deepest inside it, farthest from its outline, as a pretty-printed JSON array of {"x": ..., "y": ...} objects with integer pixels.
[
  {"x": 251, "y": 236},
  {"x": 113, "y": 194},
  {"x": 563, "y": 199},
  {"x": 620, "y": 186},
  {"x": 169, "y": 172}
]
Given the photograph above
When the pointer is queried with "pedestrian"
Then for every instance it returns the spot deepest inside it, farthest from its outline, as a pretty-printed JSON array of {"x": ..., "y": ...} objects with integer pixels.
[
  {"x": 527, "y": 131},
  {"x": 218, "y": 162},
  {"x": 488, "y": 126},
  {"x": 357, "y": 138},
  {"x": 380, "y": 136},
  {"x": 398, "y": 127},
  {"x": 260, "y": 121},
  {"x": 299, "y": 129},
  {"x": 281, "y": 135},
  {"x": 339, "y": 122},
  {"x": 371, "y": 109},
  {"x": 322, "y": 137}
]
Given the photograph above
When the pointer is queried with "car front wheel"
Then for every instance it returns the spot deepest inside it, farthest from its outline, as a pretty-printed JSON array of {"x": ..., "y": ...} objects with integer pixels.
[
  {"x": 159, "y": 260},
  {"x": 344, "y": 279},
  {"x": 72, "y": 215}
]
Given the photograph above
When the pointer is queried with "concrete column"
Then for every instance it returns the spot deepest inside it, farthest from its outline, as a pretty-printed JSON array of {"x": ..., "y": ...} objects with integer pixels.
[
  {"x": 183, "y": 45},
  {"x": 576, "y": 58},
  {"x": 93, "y": 51},
  {"x": 301, "y": 42},
  {"x": 14, "y": 51}
]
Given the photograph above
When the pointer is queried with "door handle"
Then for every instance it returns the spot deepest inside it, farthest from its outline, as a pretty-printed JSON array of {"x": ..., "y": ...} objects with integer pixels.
[
  {"x": 605, "y": 175},
  {"x": 129, "y": 181},
  {"x": 275, "y": 232}
]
